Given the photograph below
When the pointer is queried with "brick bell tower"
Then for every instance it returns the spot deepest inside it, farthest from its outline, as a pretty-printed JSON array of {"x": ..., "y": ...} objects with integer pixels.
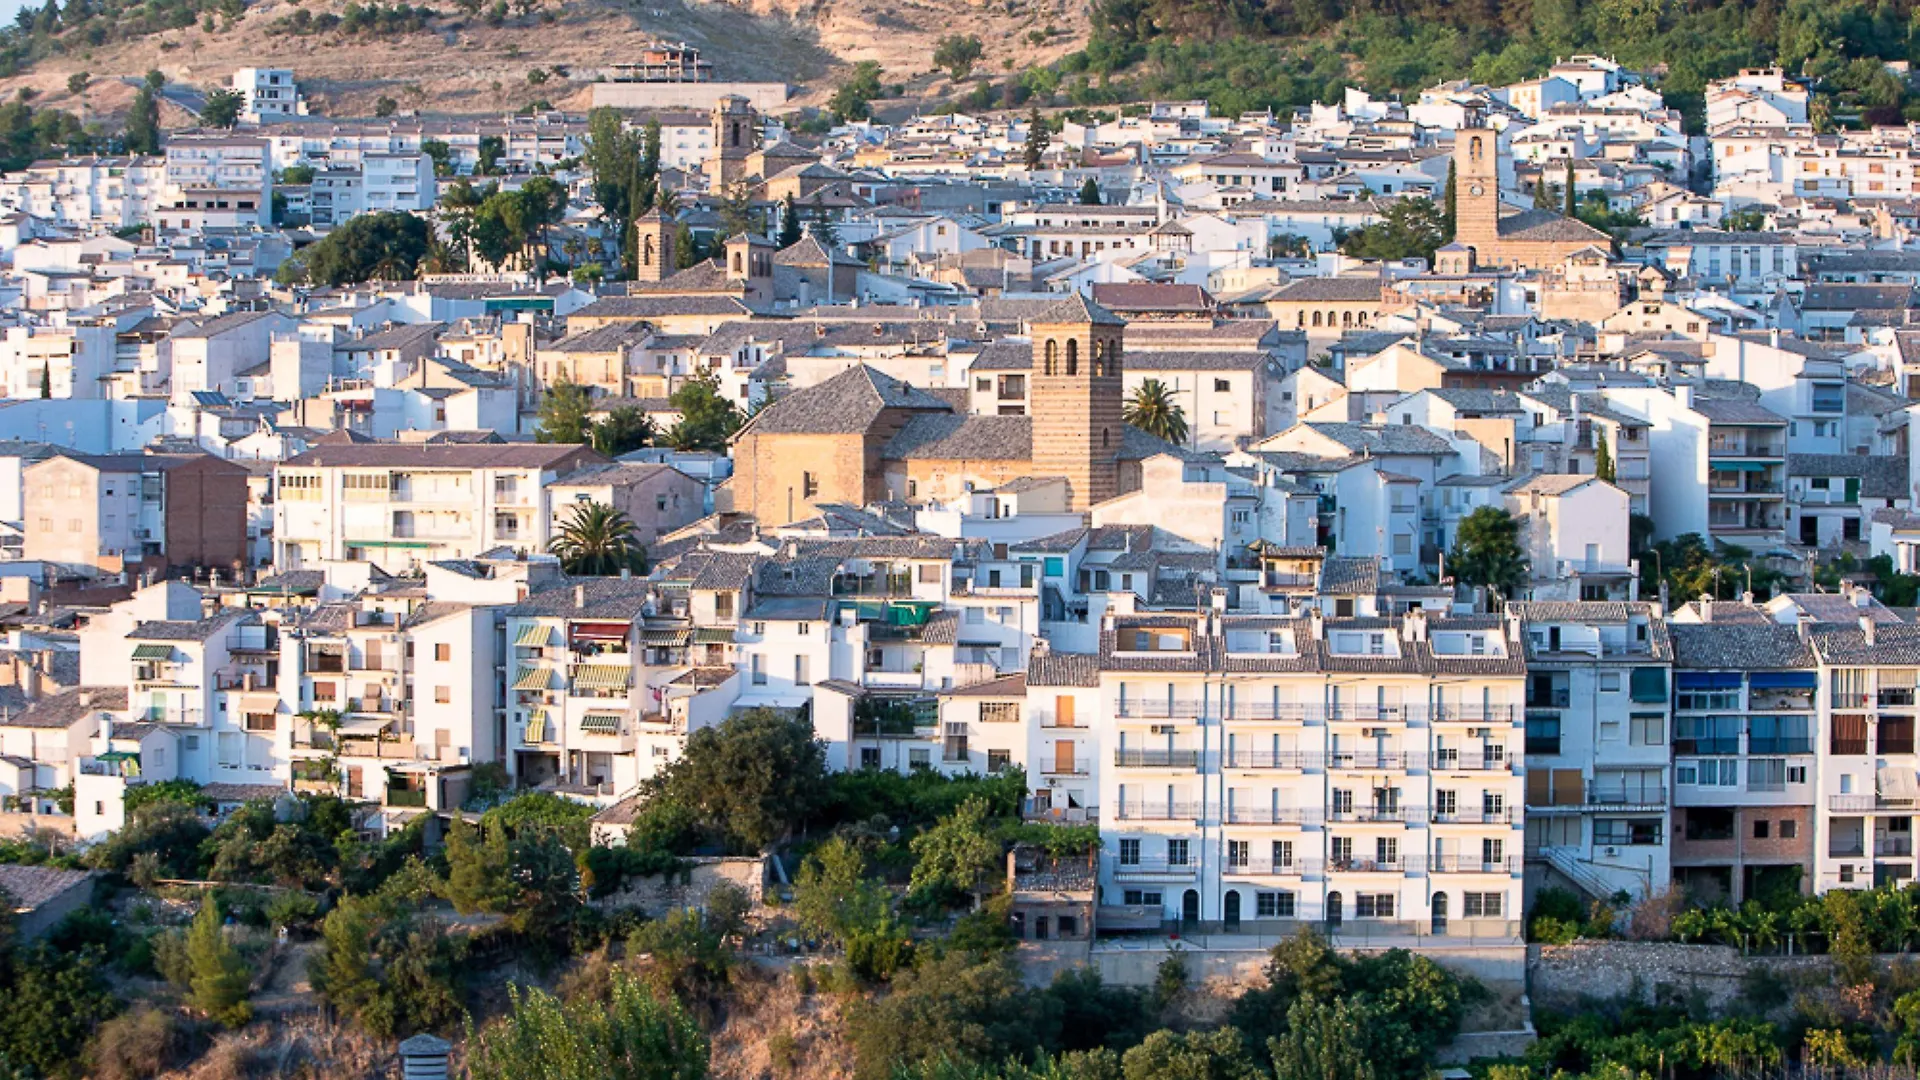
[
  {"x": 1074, "y": 398},
  {"x": 653, "y": 254}
]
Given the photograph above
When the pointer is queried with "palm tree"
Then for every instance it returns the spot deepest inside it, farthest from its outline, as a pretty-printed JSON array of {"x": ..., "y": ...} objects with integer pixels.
[
  {"x": 1153, "y": 410},
  {"x": 597, "y": 542}
]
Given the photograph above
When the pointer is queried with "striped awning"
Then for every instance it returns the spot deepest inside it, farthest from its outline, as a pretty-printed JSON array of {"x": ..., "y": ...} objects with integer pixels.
[
  {"x": 600, "y": 723},
  {"x": 601, "y": 677},
  {"x": 537, "y": 727},
  {"x": 713, "y": 635},
  {"x": 152, "y": 651},
  {"x": 533, "y": 678},
  {"x": 663, "y": 637},
  {"x": 534, "y": 636}
]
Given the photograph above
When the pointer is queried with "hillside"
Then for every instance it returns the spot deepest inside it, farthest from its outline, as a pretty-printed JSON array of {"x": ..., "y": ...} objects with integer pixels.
[{"x": 462, "y": 66}]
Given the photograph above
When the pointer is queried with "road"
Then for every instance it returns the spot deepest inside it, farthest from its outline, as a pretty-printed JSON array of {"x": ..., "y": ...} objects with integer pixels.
[{"x": 185, "y": 97}]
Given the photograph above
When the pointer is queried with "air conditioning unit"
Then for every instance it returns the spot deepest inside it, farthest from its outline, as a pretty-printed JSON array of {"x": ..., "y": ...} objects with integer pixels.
[
  {"x": 1164, "y": 729},
  {"x": 1476, "y": 733},
  {"x": 1373, "y": 733},
  {"x": 1610, "y": 852}
]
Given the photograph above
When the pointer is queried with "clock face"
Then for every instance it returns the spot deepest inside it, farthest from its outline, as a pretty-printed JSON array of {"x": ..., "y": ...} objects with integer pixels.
[{"x": 1477, "y": 190}]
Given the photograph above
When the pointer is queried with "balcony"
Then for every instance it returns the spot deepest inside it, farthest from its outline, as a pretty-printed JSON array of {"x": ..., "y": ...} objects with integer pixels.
[
  {"x": 1155, "y": 866},
  {"x": 1272, "y": 815},
  {"x": 1295, "y": 760},
  {"x": 1864, "y": 804},
  {"x": 1473, "y": 864},
  {"x": 873, "y": 585},
  {"x": 1371, "y": 759},
  {"x": 1618, "y": 795},
  {"x": 1557, "y": 698},
  {"x": 1453, "y": 761},
  {"x": 1379, "y": 815},
  {"x": 1176, "y": 709},
  {"x": 1251, "y": 867},
  {"x": 1156, "y": 759},
  {"x": 1476, "y": 815},
  {"x": 1493, "y": 715},
  {"x": 1158, "y": 811},
  {"x": 1276, "y": 579},
  {"x": 1049, "y": 721},
  {"x": 1894, "y": 846},
  {"x": 1391, "y": 865},
  {"x": 394, "y": 748},
  {"x": 898, "y": 680},
  {"x": 1060, "y": 767},
  {"x": 1267, "y": 710},
  {"x": 415, "y": 798}
]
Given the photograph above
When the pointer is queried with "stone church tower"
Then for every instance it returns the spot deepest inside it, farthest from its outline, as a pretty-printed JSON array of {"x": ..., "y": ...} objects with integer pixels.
[
  {"x": 653, "y": 254},
  {"x": 1476, "y": 162},
  {"x": 1074, "y": 397},
  {"x": 736, "y": 135}
]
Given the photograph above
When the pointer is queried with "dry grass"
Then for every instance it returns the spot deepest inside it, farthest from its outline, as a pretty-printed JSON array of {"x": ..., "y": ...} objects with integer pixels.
[
  {"x": 296, "y": 1048},
  {"x": 464, "y": 67},
  {"x": 772, "y": 1031}
]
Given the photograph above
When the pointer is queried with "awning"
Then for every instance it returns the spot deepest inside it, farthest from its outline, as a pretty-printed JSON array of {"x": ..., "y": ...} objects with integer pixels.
[
  {"x": 600, "y": 631},
  {"x": 1783, "y": 680},
  {"x": 1736, "y": 466},
  {"x": 1707, "y": 680},
  {"x": 1898, "y": 782},
  {"x": 534, "y": 636},
  {"x": 601, "y": 677},
  {"x": 713, "y": 635},
  {"x": 663, "y": 637},
  {"x": 363, "y": 726},
  {"x": 600, "y": 723},
  {"x": 153, "y": 652},
  {"x": 115, "y": 757},
  {"x": 533, "y": 678},
  {"x": 537, "y": 727}
]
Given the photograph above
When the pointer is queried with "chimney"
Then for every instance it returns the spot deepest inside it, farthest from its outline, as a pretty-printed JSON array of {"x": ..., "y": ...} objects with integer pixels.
[
  {"x": 1773, "y": 337},
  {"x": 1217, "y": 600},
  {"x": 1316, "y": 623},
  {"x": 580, "y": 596},
  {"x": 1804, "y": 625},
  {"x": 1867, "y": 629},
  {"x": 1706, "y": 607}
]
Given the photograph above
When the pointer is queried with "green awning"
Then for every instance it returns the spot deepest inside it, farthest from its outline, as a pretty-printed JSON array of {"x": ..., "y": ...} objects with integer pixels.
[
  {"x": 534, "y": 636},
  {"x": 662, "y": 637},
  {"x": 153, "y": 652},
  {"x": 713, "y": 635},
  {"x": 537, "y": 727},
  {"x": 115, "y": 757},
  {"x": 1738, "y": 466},
  {"x": 533, "y": 678},
  {"x": 600, "y": 723},
  {"x": 601, "y": 677}
]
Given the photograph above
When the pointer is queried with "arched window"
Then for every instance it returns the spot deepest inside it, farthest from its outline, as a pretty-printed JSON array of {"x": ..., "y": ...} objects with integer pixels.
[
  {"x": 1073, "y": 356},
  {"x": 1113, "y": 358},
  {"x": 1103, "y": 438},
  {"x": 1361, "y": 318},
  {"x": 646, "y": 251},
  {"x": 1346, "y": 318},
  {"x": 739, "y": 265},
  {"x": 1474, "y": 149},
  {"x": 1316, "y": 318},
  {"x": 1053, "y": 355},
  {"x": 1299, "y": 318}
]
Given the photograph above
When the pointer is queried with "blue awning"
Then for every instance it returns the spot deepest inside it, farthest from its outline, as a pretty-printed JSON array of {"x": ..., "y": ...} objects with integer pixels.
[
  {"x": 1783, "y": 680},
  {"x": 1707, "y": 680},
  {"x": 1739, "y": 466}
]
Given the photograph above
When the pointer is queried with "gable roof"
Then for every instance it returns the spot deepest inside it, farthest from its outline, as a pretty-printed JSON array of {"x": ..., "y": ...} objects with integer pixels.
[{"x": 846, "y": 404}]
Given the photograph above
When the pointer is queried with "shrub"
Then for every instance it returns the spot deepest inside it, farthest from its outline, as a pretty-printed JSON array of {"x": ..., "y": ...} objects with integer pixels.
[{"x": 141, "y": 1043}]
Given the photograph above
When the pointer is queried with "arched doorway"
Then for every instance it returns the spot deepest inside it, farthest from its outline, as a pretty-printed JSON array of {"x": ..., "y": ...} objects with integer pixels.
[
  {"x": 1334, "y": 914},
  {"x": 1231, "y": 912},
  {"x": 1439, "y": 913},
  {"x": 1190, "y": 907}
]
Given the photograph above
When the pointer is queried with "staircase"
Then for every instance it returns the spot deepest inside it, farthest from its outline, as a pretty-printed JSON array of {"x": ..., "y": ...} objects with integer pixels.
[{"x": 1569, "y": 865}]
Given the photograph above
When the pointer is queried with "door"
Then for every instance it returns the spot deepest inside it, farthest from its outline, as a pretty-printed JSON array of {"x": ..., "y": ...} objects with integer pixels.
[
  {"x": 1063, "y": 710},
  {"x": 1190, "y": 907},
  {"x": 1809, "y": 529},
  {"x": 1232, "y": 912},
  {"x": 1063, "y": 756},
  {"x": 1334, "y": 914},
  {"x": 1439, "y": 913}
]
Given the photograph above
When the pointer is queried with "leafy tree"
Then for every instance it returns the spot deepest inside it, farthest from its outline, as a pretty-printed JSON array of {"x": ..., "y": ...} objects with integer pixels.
[
  {"x": 491, "y": 149},
  {"x": 957, "y": 55},
  {"x": 220, "y": 976},
  {"x": 78, "y": 82},
  {"x": 1153, "y": 409},
  {"x": 46, "y": 380},
  {"x": 1325, "y": 1041},
  {"x": 687, "y": 958},
  {"x": 296, "y": 174},
  {"x": 391, "y": 973},
  {"x": 707, "y": 419},
  {"x": 1450, "y": 205},
  {"x": 1090, "y": 193},
  {"x": 1219, "y": 1054},
  {"x": 598, "y": 541},
  {"x": 1570, "y": 198},
  {"x": 833, "y": 898},
  {"x": 1603, "y": 459},
  {"x": 565, "y": 414},
  {"x": 1486, "y": 551},
  {"x": 954, "y": 1008},
  {"x": 477, "y": 867},
  {"x": 55, "y": 1002},
  {"x": 624, "y": 429},
  {"x": 142, "y": 134},
  {"x": 1039, "y": 138},
  {"x": 1408, "y": 229},
  {"x": 749, "y": 779},
  {"x": 222, "y": 108},
  {"x": 385, "y": 245},
  {"x": 956, "y": 855},
  {"x": 853, "y": 100},
  {"x": 633, "y": 1036},
  {"x": 155, "y": 80}
]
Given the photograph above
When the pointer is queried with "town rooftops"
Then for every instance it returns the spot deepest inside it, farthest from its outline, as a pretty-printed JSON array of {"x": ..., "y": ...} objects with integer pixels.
[
  {"x": 848, "y": 403},
  {"x": 62, "y": 709},
  {"x": 441, "y": 456},
  {"x": 1740, "y": 646}
]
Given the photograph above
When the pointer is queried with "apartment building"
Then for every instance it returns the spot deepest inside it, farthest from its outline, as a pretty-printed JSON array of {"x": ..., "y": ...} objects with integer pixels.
[
  {"x": 1254, "y": 772},
  {"x": 401, "y": 506},
  {"x": 269, "y": 93},
  {"x": 216, "y": 181},
  {"x": 1865, "y": 791},
  {"x": 1744, "y": 755},
  {"x": 119, "y": 512},
  {"x": 1597, "y": 718},
  {"x": 93, "y": 193},
  {"x": 1746, "y": 471}
]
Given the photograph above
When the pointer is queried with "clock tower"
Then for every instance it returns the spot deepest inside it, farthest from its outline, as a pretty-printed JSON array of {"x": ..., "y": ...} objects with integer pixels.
[{"x": 1476, "y": 161}]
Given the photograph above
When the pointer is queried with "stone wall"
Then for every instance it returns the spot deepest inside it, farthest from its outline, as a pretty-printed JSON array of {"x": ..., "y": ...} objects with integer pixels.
[
  {"x": 1561, "y": 975},
  {"x": 659, "y": 895}
]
